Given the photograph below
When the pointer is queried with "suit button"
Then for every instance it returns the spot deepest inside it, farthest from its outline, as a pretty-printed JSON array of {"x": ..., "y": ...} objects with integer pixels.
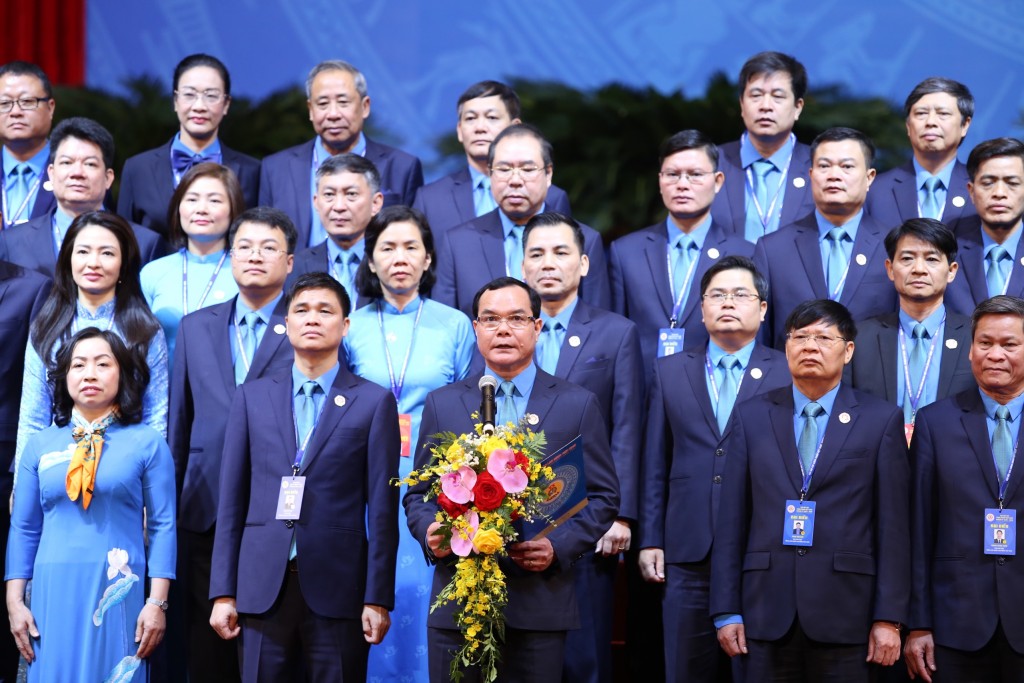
[
  {"x": 801, "y": 552},
  {"x": 717, "y": 479},
  {"x": 720, "y": 452},
  {"x": 1001, "y": 561},
  {"x": 289, "y": 524}
]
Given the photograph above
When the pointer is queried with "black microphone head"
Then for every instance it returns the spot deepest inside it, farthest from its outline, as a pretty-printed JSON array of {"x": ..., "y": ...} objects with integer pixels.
[{"x": 487, "y": 381}]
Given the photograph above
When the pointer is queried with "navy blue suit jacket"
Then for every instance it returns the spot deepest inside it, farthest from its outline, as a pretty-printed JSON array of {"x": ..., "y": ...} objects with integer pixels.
[
  {"x": 473, "y": 254},
  {"x": 684, "y": 453},
  {"x": 314, "y": 260},
  {"x": 202, "y": 387},
  {"x": 45, "y": 201},
  {"x": 22, "y": 293},
  {"x": 31, "y": 244},
  {"x": 791, "y": 260},
  {"x": 858, "y": 570},
  {"x": 893, "y": 197},
  {"x": 969, "y": 288},
  {"x": 147, "y": 184},
  {"x": 448, "y": 201},
  {"x": 640, "y": 286},
  {"x": 875, "y": 364},
  {"x": 959, "y": 593},
  {"x": 537, "y": 601},
  {"x": 729, "y": 207},
  {"x": 347, "y": 535},
  {"x": 284, "y": 180}
]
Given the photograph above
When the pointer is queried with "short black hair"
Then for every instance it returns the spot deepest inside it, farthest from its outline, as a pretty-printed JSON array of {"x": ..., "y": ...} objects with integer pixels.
[
  {"x": 266, "y": 215},
  {"x": 998, "y": 305},
  {"x": 200, "y": 59},
  {"x": 840, "y": 133},
  {"x": 990, "y": 149},
  {"x": 319, "y": 280},
  {"x": 550, "y": 219},
  {"x": 937, "y": 84},
  {"x": 735, "y": 262},
  {"x": 927, "y": 230},
  {"x": 131, "y": 385},
  {"x": 489, "y": 89},
  {"x": 774, "y": 62},
  {"x": 522, "y": 130},
  {"x": 81, "y": 128},
  {"x": 502, "y": 283},
  {"x": 824, "y": 311},
  {"x": 689, "y": 139},
  {"x": 20, "y": 68},
  {"x": 368, "y": 282},
  {"x": 350, "y": 163}
]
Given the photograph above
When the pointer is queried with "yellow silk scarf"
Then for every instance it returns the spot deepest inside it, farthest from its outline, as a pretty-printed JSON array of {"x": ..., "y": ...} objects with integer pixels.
[{"x": 88, "y": 437}]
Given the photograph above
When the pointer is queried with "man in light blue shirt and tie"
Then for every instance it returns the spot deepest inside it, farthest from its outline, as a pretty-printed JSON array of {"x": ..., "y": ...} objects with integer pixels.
[{"x": 26, "y": 115}]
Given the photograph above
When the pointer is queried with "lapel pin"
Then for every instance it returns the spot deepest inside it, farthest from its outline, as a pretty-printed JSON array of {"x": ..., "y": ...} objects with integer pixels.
[
  {"x": 574, "y": 341},
  {"x": 219, "y": 294},
  {"x": 951, "y": 343},
  {"x": 958, "y": 201},
  {"x": 713, "y": 253},
  {"x": 48, "y": 186},
  {"x": 279, "y": 328},
  {"x": 844, "y": 418},
  {"x": 756, "y": 373},
  {"x": 532, "y": 418},
  {"x": 339, "y": 401},
  {"x": 862, "y": 260},
  {"x": 1022, "y": 260},
  {"x": 798, "y": 182}
]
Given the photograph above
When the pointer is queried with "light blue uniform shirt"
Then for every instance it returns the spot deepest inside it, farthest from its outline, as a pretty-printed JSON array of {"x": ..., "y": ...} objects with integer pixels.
[
  {"x": 325, "y": 381},
  {"x": 61, "y": 223},
  {"x": 212, "y": 153},
  {"x": 15, "y": 200},
  {"x": 483, "y": 198},
  {"x": 699, "y": 234},
  {"x": 944, "y": 175},
  {"x": 524, "y": 387},
  {"x": 935, "y": 324},
  {"x": 240, "y": 310},
  {"x": 753, "y": 228},
  {"x": 335, "y": 269},
  {"x": 1005, "y": 265},
  {"x": 506, "y": 229},
  {"x": 563, "y": 317},
  {"x": 317, "y": 233},
  {"x": 1015, "y": 406},
  {"x": 715, "y": 354},
  {"x": 825, "y": 245}
]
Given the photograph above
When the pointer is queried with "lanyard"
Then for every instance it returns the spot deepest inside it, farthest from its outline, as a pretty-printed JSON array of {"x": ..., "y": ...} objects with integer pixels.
[
  {"x": 11, "y": 220},
  {"x": 241, "y": 345},
  {"x": 1004, "y": 482},
  {"x": 396, "y": 387},
  {"x": 763, "y": 216},
  {"x": 57, "y": 239},
  {"x": 809, "y": 473},
  {"x": 300, "y": 452},
  {"x": 677, "y": 308},
  {"x": 184, "y": 281},
  {"x": 834, "y": 296},
  {"x": 711, "y": 378},
  {"x": 915, "y": 396}
]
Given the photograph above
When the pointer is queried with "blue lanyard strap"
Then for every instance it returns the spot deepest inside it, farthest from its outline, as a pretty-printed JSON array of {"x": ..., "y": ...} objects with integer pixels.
[
  {"x": 184, "y": 281},
  {"x": 677, "y": 308},
  {"x": 915, "y": 396},
  {"x": 711, "y": 378},
  {"x": 396, "y": 386},
  {"x": 809, "y": 473},
  {"x": 766, "y": 217},
  {"x": 300, "y": 452},
  {"x": 1009, "y": 470},
  {"x": 11, "y": 220}
]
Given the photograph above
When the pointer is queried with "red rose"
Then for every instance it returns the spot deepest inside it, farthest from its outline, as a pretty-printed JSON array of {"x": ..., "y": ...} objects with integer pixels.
[
  {"x": 452, "y": 509},
  {"x": 488, "y": 493},
  {"x": 523, "y": 461}
]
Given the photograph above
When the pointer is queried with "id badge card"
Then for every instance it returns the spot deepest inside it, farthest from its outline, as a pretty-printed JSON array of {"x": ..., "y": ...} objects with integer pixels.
[
  {"x": 798, "y": 523},
  {"x": 1000, "y": 531},
  {"x": 405, "y": 429},
  {"x": 289, "y": 502},
  {"x": 670, "y": 340}
]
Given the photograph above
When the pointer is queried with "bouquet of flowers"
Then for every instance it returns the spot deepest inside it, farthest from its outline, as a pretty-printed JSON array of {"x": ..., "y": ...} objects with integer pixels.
[{"x": 483, "y": 483}]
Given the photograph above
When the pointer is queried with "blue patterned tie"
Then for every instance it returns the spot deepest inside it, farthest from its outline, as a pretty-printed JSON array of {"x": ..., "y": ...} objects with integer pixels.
[
  {"x": 917, "y": 360},
  {"x": 483, "y": 198},
  {"x": 507, "y": 410},
  {"x": 994, "y": 278},
  {"x": 836, "y": 261},
  {"x": 514, "y": 252},
  {"x": 1002, "y": 443},
  {"x": 247, "y": 330},
  {"x": 684, "y": 259},
  {"x": 18, "y": 193},
  {"x": 549, "y": 347},
  {"x": 930, "y": 205},
  {"x": 727, "y": 394},
  {"x": 808, "y": 443},
  {"x": 305, "y": 416}
]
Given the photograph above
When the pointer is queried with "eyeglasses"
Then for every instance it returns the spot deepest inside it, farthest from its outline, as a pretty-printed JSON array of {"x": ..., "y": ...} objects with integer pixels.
[
  {"x": 822, "y": 341},
  {"x": 693, "y": 177},
  {"x": 268, "y": 253},
  {"x": 515, "y": 321},
  {"x": 719, "y": 298},
  {"x": 190, "y": 96},
  {"x": 25, "y": 104},
  {"x": 529, "y": 172}
]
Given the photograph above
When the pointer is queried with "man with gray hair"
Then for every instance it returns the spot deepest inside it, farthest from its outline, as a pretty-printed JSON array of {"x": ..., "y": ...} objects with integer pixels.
[{"x": 339, "y": 104}]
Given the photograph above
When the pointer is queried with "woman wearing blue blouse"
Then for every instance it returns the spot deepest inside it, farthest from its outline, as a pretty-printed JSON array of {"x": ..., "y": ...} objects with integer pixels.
[
  {"x": 412, "y": 345},
  {"x": 199, "y": 273},
  {"x": 96, "y": 284}
]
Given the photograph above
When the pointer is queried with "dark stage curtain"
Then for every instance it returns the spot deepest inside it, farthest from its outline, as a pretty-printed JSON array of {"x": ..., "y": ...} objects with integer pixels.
[{"x": 50, "y": 33}]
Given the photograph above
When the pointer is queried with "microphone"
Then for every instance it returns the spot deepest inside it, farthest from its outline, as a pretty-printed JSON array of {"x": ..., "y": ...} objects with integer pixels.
[{"x": 487, "y": 385}]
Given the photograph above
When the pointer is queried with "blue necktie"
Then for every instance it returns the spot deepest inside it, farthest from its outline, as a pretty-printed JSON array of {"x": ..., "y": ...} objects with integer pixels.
[
  {"x": 1002, "y": 443},
  {"x": 808, "y": 443},
  {"x": 930, "y": 205},
  {"x": 247, "y": 329},
  {"x": 18, "y": 193},
  {"x": 917, "y": 359},
  {"x": 348, "y": 264},
  {"x": 684, "y": 259},
  {"x": 727, "y": 394},
  {"x": 305, "y": 415},
  {"x": 483, "y": 198},
  {"x": 549, "y": 346},
  {"x": 836, "y": 261},
  {"x": 507, "y": 410},
  {"x": 994, "y": 279},
  {"x": 514, "y": 252}
]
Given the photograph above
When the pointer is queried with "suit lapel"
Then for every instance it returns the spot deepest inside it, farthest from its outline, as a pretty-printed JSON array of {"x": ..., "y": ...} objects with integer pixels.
[
  {"x": 219, "y": 333},
  {"x": 905, "y": 193},
  {"x": 299, "y": 168},
  {"x": 1016, "y": 285},
  {"x": 806, "y": 239},
  {"x": 491, "y": 238},
  {"x": 462, "y": 196},
  {"x": 271, "y": 342},
  {"x": 972, "y": 256},
  {"x": 973, "y": 420},
  {"x": 280, "y": 397},
  {"x": 708, "y": 255},
  {"x": 836, "y": 433},
  {"x": 161, "y": 166},
  {"x": 957, "y": 190},
  {"x": 781, "y": 417},
  {"x": 40, "y": 242},
  {"x": 655, "y": 250},
  {"x": 736, "y": 192},
  {"x": 579, "y": 327},
  {"x": 960, "y": 332},
  {"x": 863, "y": 248},
  {"x": 760, "y": 360},
  {"x": 542, "y": 399},
  {"x": 695, "y": 369},
  {"x": 887, "y": 350},
  {"x": 792, "y": 198},
  {"x": 331, "y": 416}
]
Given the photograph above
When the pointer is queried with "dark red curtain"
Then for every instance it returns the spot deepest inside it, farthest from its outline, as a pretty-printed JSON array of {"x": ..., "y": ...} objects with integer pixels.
[{"x": 50, "y": 33}]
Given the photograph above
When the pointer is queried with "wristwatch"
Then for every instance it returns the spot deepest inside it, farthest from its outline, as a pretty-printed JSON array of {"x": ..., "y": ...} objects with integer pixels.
[{"x": 162, "y": 604}]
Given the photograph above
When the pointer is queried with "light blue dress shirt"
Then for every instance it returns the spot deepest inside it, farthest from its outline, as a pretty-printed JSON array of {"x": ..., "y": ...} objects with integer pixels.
[
  {"x": 325, "y": 381},
  {"x": 699, "y": 234},
  {"x": 1006, "y": 265},
  {"x": 37, "y": 164},
  {"x": 36, "y": 411},
  {"x": 317, "y": 233},
  {"x": 715, "y": 354},
  {"x": 333, "y": 252},
  {"x": 935, "y": 324},
  {"x": 483, "y": 198},
  {"x": 944, "y": 175},
  {"x": 1014, "y": 405},
  {"x": 753, "y": 228},
  {"x": 824, "y": 227},
  {"x": 563, "y": 317},
  {"x": 524, "y": 387},
  {"x": 265, "y": 313}
]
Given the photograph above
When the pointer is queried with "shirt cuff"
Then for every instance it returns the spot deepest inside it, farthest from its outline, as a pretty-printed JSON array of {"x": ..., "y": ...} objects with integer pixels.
[{"x": 727, "y": 620}]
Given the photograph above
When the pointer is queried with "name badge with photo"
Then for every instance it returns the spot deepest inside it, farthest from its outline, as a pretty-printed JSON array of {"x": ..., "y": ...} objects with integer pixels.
[
  {"x": 1000, "y": 531},
  {"x": 798, "y": 523},
  {"x": 670, "y": 341},
  {"x": 289, "y": 500}
]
